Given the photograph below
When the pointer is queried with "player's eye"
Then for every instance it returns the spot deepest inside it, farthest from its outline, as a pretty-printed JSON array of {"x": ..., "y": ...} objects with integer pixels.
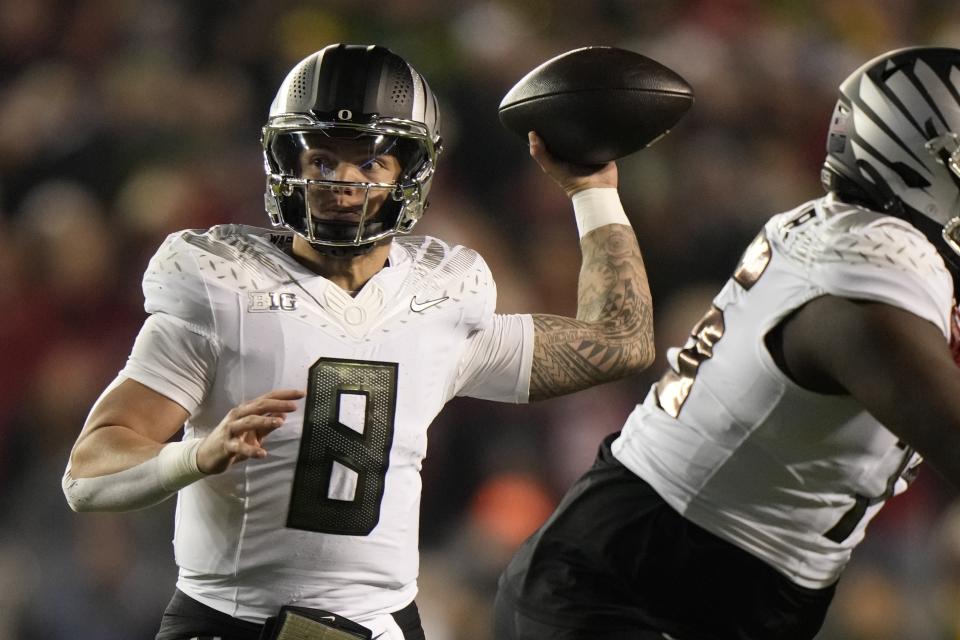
[
  {"x": 324, "y": 165},
  {"x": 376, "y": 164}
]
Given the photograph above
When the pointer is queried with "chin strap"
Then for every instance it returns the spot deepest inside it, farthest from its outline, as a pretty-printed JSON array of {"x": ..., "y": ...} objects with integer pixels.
[
  {"x": 343, "y": 252},
  {"x": 889, "y": 202}
]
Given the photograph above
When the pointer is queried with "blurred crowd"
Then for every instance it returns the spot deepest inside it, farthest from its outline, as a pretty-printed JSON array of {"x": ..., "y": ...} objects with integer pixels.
[{"x": 124, "y": 120}]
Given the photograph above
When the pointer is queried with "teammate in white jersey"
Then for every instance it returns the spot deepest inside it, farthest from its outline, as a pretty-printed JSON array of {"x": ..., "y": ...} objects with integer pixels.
[
  {"x": 730, "y": 502},
  {"x": 308, "y": 361}
]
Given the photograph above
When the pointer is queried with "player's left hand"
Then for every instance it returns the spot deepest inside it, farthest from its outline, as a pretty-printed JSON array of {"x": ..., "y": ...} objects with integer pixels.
[
  {"x": 240, "y": 434},
  {"x": 571, "y": 177}
]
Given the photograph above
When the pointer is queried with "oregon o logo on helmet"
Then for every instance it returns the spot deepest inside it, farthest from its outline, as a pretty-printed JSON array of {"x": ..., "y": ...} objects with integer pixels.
[{"x": 345, "y": 114}]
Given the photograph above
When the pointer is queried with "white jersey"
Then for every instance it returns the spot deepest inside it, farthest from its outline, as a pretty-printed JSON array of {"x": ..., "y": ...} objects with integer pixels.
[
  {"x": 329, "y": 519},
  {"x": 735, "y": 446}
]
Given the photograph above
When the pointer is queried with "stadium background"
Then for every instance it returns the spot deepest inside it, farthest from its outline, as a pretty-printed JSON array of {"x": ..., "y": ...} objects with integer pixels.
[{"x": 121, "y": 121}]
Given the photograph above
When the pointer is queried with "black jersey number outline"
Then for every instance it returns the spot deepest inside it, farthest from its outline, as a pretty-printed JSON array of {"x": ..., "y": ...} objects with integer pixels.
[
  {"x": 848, "y": 522},
  {"x": 325, "y": 441}
]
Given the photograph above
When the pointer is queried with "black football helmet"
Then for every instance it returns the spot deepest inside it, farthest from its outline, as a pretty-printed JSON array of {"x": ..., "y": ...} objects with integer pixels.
[
  {"x": 350, "y": 148},
  {"x": 894, "y": 142}
]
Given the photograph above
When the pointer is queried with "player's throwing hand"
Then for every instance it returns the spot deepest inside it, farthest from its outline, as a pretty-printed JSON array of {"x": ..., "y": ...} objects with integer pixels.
[
  {"x": 572, "y": 178},
  {"x": 240, "y": 434}
]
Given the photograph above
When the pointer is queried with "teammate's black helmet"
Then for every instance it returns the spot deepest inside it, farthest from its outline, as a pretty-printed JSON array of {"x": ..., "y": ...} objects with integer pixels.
[
  {"x": 894, "y": 141},
  {"x": 364, "y": 101}
]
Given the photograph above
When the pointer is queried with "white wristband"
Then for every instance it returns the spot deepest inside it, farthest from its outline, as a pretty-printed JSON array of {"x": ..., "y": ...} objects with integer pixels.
[
  {"x": 143, "y": 485},
  {"x": 177, "y": 464},
  {"x": 597, "y": 207}
]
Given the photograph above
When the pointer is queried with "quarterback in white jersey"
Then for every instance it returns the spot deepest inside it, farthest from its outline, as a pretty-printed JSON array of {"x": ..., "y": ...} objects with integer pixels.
[
  {"x": 307, "y": 361},
  {"x": 232, "y": 314},
  {"x": 730, "y": 502}
]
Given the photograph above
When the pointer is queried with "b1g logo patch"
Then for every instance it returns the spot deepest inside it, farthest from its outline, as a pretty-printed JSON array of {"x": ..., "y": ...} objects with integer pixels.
[{"x": 259, "y": 301}]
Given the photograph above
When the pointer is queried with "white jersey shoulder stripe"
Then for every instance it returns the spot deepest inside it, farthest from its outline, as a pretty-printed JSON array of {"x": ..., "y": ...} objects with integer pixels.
[{"x": 438, "y": 265}]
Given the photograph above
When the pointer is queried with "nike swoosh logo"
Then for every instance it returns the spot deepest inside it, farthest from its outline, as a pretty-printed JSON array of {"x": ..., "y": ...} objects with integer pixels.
[
  {"x": 416, "y": 306},
  {"x": 332, "y": 618}
]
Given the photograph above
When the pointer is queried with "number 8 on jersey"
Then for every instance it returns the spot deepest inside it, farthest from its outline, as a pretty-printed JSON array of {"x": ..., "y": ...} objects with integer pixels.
[{"x": 345, "y": 446}]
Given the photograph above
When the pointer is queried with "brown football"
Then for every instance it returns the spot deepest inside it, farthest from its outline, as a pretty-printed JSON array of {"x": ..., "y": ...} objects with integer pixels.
[{"x": 596, "y": 104}]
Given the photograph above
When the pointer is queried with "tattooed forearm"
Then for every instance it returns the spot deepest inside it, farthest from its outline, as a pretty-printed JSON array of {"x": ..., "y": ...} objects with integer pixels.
[{"x": 612, "y": 335}]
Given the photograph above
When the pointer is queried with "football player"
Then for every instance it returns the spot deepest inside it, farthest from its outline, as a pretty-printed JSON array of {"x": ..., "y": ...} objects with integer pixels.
[
  {"x": 307, "y": 362},
  {"x": 730, "y": 502}
]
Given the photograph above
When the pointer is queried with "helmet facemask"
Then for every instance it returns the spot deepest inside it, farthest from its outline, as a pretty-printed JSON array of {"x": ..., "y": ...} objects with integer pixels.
[
  {"x": 946, "y": 148},
  {"x": 345, "y": 186}
]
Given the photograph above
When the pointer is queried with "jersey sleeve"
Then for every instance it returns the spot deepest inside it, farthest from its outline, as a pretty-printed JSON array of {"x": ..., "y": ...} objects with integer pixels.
[
  {"x": 499, "y": 355},
  {"x": 169, "y": 357},
  {"x": 176, "y": 351},
  {"x": 888, "y": 261},
  {"x": 497, "y": 363}
]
